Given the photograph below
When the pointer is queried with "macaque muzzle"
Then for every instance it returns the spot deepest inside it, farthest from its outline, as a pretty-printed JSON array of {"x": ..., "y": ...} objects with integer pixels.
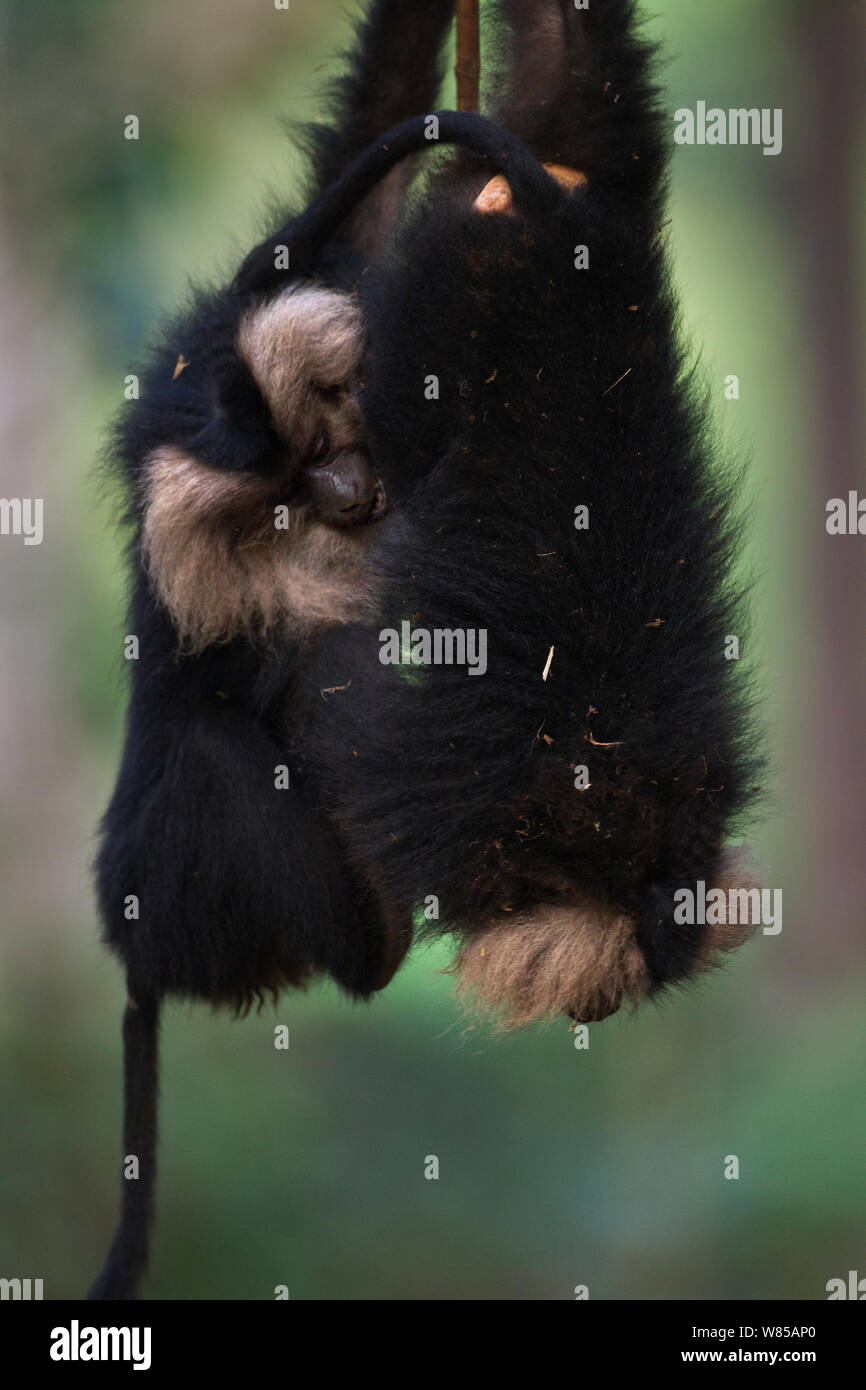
[{"x": 344, "y": 491}]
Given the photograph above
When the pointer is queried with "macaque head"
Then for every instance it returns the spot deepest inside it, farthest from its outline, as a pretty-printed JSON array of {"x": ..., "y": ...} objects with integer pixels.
[
  {"x": 303, "y": 349},
  {"x": 260, "y": 520}
]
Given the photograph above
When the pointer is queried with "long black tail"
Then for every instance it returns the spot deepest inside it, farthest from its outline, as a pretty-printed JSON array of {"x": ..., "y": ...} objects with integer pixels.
[
  {"x": 127, "y": 1258},
  {"x": 307, "y": 234}
]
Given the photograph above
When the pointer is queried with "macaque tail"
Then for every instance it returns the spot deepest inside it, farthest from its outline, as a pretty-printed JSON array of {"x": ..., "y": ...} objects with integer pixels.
[
  {"x": 265, "y": 268},
  {"x": 127, "y": 1258}
]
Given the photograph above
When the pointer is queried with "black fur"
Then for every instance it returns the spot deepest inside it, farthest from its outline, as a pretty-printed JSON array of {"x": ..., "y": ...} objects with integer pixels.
[
  {"x": 455, "y": 790},
  {"x": 558, "y": 387},
  {"x": 127, "y": 1258},
  {"x": 241, "y": 888}
]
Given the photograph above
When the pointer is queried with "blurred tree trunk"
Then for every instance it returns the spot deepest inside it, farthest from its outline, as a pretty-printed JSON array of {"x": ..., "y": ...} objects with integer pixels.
[{"x": 824, "y": 203}]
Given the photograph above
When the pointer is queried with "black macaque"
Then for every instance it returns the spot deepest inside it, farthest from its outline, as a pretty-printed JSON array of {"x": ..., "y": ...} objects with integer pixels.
[
  {"x": 401, "y": 426},
  {"x": 557, "y": 491}
]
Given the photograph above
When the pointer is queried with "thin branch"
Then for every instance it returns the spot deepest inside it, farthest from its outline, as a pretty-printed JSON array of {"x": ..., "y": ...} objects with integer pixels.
[{"x": 468, "y": 66}]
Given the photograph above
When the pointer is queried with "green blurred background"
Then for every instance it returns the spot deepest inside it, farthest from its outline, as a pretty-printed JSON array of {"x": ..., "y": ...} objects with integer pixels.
[{"x": 558, "y": 1167}]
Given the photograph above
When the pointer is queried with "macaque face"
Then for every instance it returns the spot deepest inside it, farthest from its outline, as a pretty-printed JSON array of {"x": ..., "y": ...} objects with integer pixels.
[
  {"x": 304, "y": 349},
  {"x": 282, "y": 546}
]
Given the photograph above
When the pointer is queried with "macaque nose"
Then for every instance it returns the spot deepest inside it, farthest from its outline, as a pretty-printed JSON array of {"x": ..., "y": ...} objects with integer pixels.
[{"x": 344, "y": 491}]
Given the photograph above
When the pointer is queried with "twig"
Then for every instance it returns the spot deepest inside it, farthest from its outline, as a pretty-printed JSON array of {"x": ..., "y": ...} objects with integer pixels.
[
  {"x": 468, "y": 65},
  {"x": 616, "y": 383},
  {"x": 332, "y": 689}
]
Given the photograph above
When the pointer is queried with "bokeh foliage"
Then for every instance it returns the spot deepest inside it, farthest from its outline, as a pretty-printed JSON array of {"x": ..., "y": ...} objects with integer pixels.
[{"x": 558, "y": 1166}]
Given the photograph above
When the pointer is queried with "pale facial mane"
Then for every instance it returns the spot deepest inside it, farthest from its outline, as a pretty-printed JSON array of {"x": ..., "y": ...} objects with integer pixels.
[
  {"x": 215, "y": 555},
  {"x": 303, "y": 349},
  {"x": 223, "y": 569},
  {"x": 583, "y": 959}
]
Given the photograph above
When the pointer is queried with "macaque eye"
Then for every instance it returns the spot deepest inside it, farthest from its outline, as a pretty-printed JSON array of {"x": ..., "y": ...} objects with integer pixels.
[
  {"x": 330, "y": 393},
  {"x": 319, "y": 449}
]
